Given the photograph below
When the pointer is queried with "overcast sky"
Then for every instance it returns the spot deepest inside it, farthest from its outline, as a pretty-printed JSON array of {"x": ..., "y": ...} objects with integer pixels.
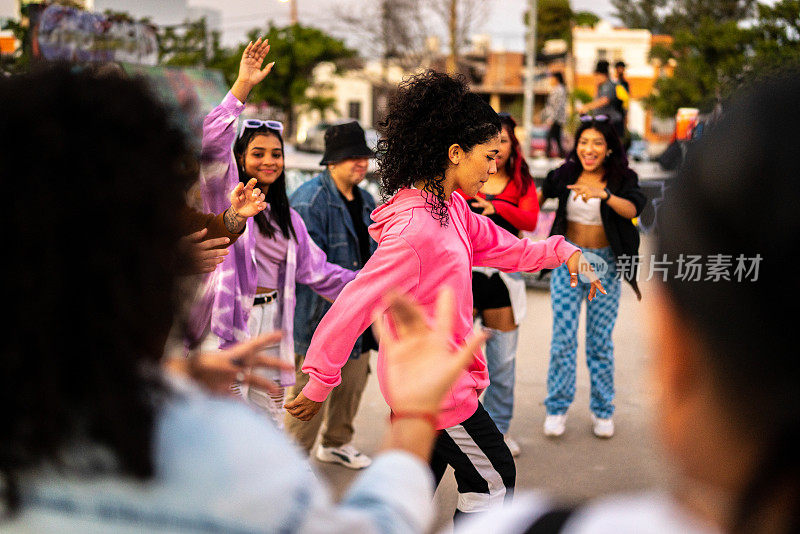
[{"x": 503, "y": 23}]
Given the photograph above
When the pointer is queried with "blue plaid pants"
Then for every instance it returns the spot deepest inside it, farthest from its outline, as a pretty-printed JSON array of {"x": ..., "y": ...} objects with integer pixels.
[{"x": 601, "y": 314}]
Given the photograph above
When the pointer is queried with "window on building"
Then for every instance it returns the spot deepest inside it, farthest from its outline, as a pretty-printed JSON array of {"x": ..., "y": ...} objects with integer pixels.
[{"x": 354, "y": 110}]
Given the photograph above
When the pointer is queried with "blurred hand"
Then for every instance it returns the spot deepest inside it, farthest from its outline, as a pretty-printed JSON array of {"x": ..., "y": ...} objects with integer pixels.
[
  {"x": 488, "y": 207},
  {"x": 217, "y": 371},
  {"x": 578, "y": 264},
  {"x": 421, "y": 363},
  {"x": 302, "y": 407},
  {"x": 204, "y": 256},
  {"x": 585, "y": 192},
  {"x": 247, "y": 200}
]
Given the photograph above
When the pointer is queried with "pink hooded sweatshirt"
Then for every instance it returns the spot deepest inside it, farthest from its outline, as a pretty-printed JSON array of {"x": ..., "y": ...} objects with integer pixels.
[{"x": 418, "y": 256}]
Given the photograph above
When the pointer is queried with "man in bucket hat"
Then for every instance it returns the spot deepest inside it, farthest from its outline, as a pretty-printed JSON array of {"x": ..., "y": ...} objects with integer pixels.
[{"x": 337, "y": 213}]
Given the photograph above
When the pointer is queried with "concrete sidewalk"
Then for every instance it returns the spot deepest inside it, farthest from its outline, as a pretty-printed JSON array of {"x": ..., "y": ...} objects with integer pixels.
[{"x": 577, "y": 465}]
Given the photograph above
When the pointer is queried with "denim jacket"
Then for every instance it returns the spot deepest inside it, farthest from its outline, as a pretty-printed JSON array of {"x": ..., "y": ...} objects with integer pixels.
[{"x": 320, "y": 205}]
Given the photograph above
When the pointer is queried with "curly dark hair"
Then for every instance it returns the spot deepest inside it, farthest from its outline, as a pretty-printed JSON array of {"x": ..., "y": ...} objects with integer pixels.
[
  {"x": 95, "y": 180},
  {"x": 430, "y": 112},
  {"x": 276, "y": 194}
]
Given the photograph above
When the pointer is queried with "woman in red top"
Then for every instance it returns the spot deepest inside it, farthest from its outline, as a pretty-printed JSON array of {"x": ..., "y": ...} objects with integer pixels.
[{"x": 509, "y": 199}]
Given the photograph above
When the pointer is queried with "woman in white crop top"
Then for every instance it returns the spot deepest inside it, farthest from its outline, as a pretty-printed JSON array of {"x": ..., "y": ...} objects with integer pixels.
[
  {"x": 588, "y": 213},
  {"x": 585, "y": 212}
]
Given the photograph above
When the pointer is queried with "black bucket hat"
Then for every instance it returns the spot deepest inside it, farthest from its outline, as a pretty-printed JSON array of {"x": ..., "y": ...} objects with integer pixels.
[{"x": 344, "y": 141}]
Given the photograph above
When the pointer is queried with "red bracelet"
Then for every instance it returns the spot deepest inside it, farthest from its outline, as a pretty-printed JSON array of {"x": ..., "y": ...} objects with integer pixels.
[{"x": 427, "y": 416}]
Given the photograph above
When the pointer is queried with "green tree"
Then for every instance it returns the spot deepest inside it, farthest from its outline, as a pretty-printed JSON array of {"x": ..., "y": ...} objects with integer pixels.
[
  {"x": 710, "y": 62},
  {"x": 555, "y": 19},
  {"x": 670, "y": 16},
  {"x": 776, "y": 36},
  {"x": 585, "y": 18},
  {"x": 296, "y": 50},
  {"x": 641, "y": 14},
  {"x": 190, "y": 44}
]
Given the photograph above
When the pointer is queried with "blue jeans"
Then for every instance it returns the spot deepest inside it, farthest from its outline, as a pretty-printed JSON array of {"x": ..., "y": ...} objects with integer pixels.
[
  {"x": 601, "y": 315},
  {"x": 501, "y": 359}
]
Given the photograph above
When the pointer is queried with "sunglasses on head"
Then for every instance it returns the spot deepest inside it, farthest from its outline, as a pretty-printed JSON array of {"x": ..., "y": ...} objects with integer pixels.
[
  {"x": 595, "y": 118},
  {"x": 256, "y": 123}
]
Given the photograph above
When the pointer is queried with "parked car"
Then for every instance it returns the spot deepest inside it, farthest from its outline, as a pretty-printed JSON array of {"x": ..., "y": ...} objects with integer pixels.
[
  {"x": 314, "y": 140},
  {"x": 638, "y": 150},
  {"x": 539, "y": 146},
  {"x": 538, "y": 139}
]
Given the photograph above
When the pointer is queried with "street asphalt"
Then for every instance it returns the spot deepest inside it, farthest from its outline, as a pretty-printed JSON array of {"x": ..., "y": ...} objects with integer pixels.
[{"x": 577, "y": 465}]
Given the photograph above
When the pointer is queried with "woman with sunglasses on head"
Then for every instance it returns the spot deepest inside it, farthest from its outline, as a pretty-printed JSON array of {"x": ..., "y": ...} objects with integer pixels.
[
  {"x": 598, "y": 195},
  {"x": 508, "y": 198},
  {"x": 438, "y": 137},
  {"x": 254, "y": 292}
]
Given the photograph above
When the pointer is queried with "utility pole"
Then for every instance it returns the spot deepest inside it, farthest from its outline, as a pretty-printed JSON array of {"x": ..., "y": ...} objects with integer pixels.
[
  {"x": 452, "y": 58},
  {"x": 292, "y": 10},
  {"x": 530, "y": 59}
]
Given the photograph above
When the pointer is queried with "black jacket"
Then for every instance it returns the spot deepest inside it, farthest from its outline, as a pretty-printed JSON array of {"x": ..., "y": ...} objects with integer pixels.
[{"x": 621, "y": 233}]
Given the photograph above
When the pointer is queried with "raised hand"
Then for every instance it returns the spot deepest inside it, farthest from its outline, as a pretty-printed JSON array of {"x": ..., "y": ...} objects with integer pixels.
[
  {"x": 250, "y": 71},
  {"x": 421, "y": 361},
  {"x": 247, "y": 200}
]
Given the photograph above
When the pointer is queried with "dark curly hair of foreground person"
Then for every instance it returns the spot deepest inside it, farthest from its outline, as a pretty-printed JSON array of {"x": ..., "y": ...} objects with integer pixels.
[
  {"x": 94, "y": 178},
  {"x": 430, "y": 112}
]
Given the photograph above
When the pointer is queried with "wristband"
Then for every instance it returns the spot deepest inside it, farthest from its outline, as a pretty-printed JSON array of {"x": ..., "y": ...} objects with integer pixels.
[
  {"x": 607, "y": 193},
  {"x": 427, "y": 416}
]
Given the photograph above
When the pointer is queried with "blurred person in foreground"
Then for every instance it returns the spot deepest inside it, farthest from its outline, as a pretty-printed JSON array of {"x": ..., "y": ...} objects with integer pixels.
[
  {"x": 96, "y": 437},
  {"x": 724, "y": 369},
  {"x": 336, "y": 212}
]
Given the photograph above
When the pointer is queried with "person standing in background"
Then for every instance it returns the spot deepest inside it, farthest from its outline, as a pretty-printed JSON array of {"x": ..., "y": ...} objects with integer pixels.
[
  {"x": 606, "y": 103},
  {"x": 598, "y": 195},
  {"x": 336, "y": 212},
  {"x": 555, "y": 112},
  {"x": 622, "y": 82}
]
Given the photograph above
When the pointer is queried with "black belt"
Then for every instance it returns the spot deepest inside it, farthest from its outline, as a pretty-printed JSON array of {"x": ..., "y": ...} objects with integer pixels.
[{"x": 266, "y": 299}]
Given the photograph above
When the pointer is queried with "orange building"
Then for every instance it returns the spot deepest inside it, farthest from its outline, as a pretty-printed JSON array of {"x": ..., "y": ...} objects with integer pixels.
[{"x": 633, "y": 47}]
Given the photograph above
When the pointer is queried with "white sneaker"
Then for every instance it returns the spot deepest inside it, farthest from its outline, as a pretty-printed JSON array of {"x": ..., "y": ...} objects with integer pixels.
[
  {"x": 555, "y": 425},
  {"x": 513, "y": 446},
  {"x": 602, "y": 428},
  {"x": 346, "y": 455}
]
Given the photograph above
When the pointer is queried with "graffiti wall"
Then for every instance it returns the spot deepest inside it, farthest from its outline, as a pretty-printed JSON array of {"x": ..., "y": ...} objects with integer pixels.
[{"x": 68, "y": 34}]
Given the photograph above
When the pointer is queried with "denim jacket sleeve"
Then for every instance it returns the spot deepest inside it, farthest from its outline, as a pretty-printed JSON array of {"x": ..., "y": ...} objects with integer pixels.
[{"x": 313, "y": 267}]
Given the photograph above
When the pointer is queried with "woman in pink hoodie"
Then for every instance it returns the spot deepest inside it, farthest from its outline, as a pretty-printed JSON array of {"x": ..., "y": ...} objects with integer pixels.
[{"x": 438, "y": 137}]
